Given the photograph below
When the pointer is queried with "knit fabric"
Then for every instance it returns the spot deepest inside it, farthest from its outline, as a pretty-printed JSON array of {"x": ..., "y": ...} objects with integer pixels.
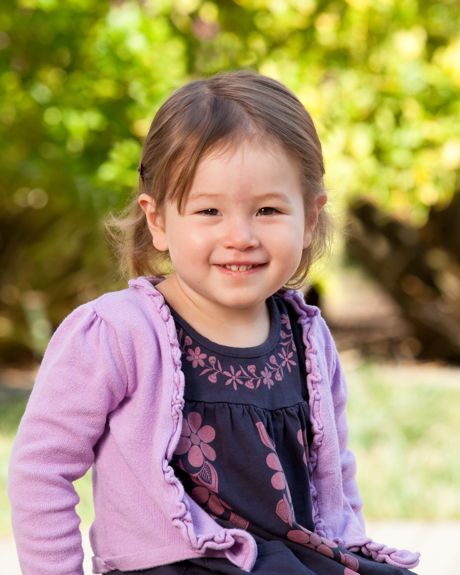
[{"x": 109, "y": 394}]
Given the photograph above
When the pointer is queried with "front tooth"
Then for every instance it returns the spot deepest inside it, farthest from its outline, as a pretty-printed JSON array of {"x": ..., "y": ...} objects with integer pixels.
[{"x": 235, "y": 268}]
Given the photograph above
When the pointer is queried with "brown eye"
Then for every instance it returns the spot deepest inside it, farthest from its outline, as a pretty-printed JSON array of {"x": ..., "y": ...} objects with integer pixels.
[
  {"x": 209, "y": 212},
  {"x": 267, "y": 211}
]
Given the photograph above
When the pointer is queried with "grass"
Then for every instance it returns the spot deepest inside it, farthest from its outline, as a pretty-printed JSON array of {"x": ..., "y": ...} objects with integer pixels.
[
  {"x": 404, "y": 430},
  {"x": 10, "y": 414}
]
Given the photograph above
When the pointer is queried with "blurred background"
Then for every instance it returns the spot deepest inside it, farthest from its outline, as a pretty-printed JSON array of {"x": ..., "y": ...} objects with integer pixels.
[{"x": 79, "y": 84}]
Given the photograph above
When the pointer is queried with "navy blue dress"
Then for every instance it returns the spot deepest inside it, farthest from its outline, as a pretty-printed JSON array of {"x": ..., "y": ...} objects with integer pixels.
[{"x": 243, "y": 452}]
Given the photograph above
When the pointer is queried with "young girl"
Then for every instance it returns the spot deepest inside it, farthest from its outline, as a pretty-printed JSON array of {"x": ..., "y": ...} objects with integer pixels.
[{"x": 209, "y": 400}]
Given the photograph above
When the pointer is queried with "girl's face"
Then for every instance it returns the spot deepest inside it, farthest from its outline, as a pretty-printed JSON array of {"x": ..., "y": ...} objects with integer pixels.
[{"x": 242, "y": 230}]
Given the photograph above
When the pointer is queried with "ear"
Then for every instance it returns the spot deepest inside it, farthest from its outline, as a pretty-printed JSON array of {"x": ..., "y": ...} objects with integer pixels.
[
  {"x": 311, "y": 217},
  {"x": 155, "y": 222}
]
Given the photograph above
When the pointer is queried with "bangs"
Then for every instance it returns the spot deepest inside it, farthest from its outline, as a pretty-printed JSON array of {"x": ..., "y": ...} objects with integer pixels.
[{"x": 199, "y": 122}]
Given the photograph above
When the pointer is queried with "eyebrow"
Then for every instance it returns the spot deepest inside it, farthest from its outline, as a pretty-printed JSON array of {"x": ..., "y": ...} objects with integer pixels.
[{"x": 259, "y": 197}]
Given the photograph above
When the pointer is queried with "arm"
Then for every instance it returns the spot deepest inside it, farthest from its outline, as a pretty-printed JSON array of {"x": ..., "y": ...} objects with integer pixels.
[
  {"x": 352, "y": 500},
  {"x": 80, "y": 381},
  {"x": 352, "y": 533}
]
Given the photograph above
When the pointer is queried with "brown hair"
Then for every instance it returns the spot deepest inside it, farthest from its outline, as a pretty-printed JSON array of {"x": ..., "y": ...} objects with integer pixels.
[{"x": 198, "y": 118}]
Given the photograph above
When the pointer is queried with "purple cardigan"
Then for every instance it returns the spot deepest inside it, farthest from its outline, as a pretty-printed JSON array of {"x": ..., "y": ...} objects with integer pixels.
[{"x": 109, "y": 394}]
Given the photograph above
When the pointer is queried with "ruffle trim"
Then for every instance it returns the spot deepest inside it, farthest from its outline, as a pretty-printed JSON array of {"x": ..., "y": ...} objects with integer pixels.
[
  {"x": 314, "y": 380},
  {"x": 238, "y": 546},
  {"x": 384, "y": 554}
]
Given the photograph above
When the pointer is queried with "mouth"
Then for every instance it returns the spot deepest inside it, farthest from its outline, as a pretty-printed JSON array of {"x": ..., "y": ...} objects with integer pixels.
[{"x": 239, "y": 268}]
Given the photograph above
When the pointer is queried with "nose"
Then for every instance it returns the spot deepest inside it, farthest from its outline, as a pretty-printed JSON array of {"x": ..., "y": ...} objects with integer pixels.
[{"x": 240, "y": 234}]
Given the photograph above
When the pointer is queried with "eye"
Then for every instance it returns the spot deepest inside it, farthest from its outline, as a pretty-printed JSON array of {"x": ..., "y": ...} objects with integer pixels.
[
  {"x": 268, "y": 211},
  {"x": 209, "y": 212}
]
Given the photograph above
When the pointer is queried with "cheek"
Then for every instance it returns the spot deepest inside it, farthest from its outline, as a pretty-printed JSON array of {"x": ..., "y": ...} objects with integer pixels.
[{"x": 186, "y": 242}]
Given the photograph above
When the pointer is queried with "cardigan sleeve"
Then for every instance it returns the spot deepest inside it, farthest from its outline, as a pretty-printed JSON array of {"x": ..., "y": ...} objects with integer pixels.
[
  {"x": 352, "y": 533},
  {"x": 352, "y": 514},
  {"x": 81, "y": 380}
]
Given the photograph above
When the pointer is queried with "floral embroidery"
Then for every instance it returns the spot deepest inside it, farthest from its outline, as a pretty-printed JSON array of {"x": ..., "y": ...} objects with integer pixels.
[
  {"x": 194, "y": 440},
  {"x": 196, "y": 357},
  {"x": 194, "y": 450},
  {"x": 233, "y": 378},
  {"x": 248, "y": 376}
]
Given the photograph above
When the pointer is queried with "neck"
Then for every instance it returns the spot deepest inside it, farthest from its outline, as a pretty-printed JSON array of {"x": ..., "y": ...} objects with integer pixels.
[{"x": 233, "y": 327}]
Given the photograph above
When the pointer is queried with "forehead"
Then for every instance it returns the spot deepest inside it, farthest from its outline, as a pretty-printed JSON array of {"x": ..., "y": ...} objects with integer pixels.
[
  {"x": 248, "y": 170},
  {"x": 221, "y": 157}
]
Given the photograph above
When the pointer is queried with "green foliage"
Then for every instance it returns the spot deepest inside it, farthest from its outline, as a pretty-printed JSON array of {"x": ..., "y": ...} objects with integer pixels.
[{"x": 80, "y": 82}]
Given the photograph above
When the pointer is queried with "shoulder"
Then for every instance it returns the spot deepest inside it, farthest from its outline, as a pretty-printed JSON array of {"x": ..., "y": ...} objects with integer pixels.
[
  {"x": 309, "y": 315},
  {"x": 114, "y": 329},
  {"x": 316, "y": 331},
  {"x": 131, "y": 315},
  {"x": 138, "y": 304}
]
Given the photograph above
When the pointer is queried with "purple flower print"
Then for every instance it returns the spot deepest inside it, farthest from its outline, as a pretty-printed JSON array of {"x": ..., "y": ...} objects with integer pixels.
[
  {"x": 238, "y": 375},
  {"x": 267, "y": 377},
  {"x": 196, "y": 357},
  {"x": 195, "y": 439},
  {"x": 286, "y": 358},
  {"x": 233, "y": 377}
]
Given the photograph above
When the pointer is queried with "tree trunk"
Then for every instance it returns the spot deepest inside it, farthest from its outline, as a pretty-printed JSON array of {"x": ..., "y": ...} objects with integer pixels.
[{"x": 419, "y": 268}]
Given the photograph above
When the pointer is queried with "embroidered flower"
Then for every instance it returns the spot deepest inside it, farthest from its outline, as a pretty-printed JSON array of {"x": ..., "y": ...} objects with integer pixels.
[
  {"x": 286, "y": 359},
  {"x": 250, "y": 376},
  {"x": 233, "y": 377},
  {"x": 196, "y": 357},
  {"x": 267, "y": 377},
  {"x": 194, "y": 440}
]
